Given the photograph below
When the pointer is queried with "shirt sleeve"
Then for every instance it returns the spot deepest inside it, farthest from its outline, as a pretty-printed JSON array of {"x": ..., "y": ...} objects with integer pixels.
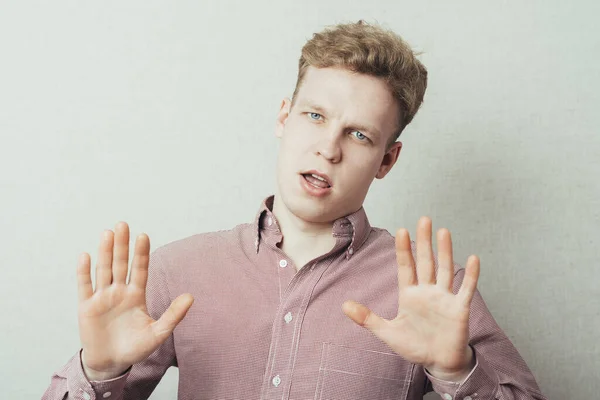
[
  {"x": 138, "y": 383},
  {"x": 500, "y": 373}
]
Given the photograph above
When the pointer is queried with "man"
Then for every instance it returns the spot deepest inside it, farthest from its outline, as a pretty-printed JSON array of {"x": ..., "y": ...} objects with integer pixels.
[{"x": 308, "y": 301}]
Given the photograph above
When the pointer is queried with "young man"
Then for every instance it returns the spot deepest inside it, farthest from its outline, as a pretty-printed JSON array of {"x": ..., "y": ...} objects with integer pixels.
[{"x": 308, "y": 301}]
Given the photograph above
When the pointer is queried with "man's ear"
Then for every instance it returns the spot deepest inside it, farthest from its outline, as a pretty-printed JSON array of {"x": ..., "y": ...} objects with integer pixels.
[
  {"x": 389, "y": 159},
  {"x": 282, "y": 116}
]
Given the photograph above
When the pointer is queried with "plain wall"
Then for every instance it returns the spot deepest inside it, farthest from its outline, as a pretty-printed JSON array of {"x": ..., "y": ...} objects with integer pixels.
[{"x": 162, "y": 114}]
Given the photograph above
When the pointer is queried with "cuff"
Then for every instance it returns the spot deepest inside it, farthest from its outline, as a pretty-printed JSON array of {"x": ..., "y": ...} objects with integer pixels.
[
  {"x": 481, "y": 383},
  {"x": 81, "y": 389}
]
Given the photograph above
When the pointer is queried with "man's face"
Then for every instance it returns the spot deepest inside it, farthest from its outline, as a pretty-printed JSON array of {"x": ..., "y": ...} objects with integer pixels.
[{"x": 338, "y": 128}]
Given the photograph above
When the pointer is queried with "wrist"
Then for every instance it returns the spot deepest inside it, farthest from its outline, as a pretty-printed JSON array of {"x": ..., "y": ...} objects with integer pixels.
[
  {"x": 458, "y": 374},
  {"x": 95, "y": 375}
]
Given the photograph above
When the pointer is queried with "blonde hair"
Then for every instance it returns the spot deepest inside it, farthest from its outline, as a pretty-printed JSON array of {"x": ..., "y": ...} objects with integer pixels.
[{"x": 371, "y": 50}]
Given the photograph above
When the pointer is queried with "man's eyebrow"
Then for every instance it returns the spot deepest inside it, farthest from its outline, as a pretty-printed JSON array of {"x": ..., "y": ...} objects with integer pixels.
[
  {"x": 318, "y": 108},
  {"x": 312, "y": 105}
]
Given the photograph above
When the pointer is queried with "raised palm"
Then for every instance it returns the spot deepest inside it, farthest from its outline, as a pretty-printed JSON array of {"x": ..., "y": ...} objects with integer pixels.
[
  {"x": 432, "y": 325},
  {"x": 114, "y": 326}
]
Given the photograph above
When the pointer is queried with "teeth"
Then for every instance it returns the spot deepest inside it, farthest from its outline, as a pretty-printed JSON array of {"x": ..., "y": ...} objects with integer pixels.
[{"x": 318, "y": 177}]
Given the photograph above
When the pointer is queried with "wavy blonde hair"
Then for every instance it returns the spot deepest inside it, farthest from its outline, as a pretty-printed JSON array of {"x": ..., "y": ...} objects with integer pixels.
[{"x": 372, "y": 50}]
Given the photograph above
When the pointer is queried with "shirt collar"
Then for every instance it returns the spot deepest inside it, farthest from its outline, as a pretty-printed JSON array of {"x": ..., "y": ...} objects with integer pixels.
[{"x": 355, "y": 226}]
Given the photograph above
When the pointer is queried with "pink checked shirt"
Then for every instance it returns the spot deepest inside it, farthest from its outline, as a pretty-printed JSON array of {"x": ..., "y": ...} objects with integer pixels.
[{"x": 260, "y": 330}]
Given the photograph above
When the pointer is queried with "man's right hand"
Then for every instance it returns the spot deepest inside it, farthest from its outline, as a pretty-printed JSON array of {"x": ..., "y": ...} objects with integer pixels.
[{"x": 114, "y": 326}]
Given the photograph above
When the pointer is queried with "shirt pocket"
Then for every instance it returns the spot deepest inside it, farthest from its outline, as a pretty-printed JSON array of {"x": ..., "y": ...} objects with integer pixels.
[{"x": 352, "y": 373}]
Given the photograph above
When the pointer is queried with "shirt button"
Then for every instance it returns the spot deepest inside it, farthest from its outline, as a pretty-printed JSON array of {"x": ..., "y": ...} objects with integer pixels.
[
  {"x": 288, "y": 317},
  {"x": 283, "y": 263},
  {"x": 447, "y": 396},
  {"x": 276, "y": 381},
  {"x": 351, "y": 251},
  {"x": 270, "y": 221},
  {"x": 106, "y": 395},
  {"x": 468, "y": 398},
  {"x": 86, "y": 396}
]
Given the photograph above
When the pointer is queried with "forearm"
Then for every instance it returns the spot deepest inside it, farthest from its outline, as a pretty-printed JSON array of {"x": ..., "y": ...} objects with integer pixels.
[{"x": 70, "y": 382}]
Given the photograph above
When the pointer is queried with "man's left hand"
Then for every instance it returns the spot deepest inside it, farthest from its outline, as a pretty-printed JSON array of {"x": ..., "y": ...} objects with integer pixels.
[{"x": 432, "y": 325}]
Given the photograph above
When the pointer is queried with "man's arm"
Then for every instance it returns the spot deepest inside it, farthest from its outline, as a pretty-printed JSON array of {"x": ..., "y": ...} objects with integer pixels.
[
  {"x": 443, "y": 324},
  {"x": 137, "y": 382}
]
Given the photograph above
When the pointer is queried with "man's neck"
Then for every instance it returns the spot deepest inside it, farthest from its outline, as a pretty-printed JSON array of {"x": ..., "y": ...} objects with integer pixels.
[{"x": 302, "y": 240}]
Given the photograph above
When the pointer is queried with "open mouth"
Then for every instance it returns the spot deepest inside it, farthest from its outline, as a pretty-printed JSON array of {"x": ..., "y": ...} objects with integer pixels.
[{"x": 316, "y": 181}]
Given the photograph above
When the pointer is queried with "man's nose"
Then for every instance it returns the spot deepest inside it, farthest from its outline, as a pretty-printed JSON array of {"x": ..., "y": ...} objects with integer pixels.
[{"x": 329, "y": 146}]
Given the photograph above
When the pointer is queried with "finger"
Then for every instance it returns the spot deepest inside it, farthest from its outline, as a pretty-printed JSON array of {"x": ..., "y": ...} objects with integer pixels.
[
  {"x": 406, "y": 264},
  {"x": 445, "y": 271},
  {"x": 139, "y": 265},
  {"x": 469, "y": 283},
  {"x": 170, "y": 318},
  {"x": 84, "y": 279},
  {"x": 104, "y": 264},
  {"x": 366, "y": 318},
  {"x": 425, "y": 264},
  {"x": 121, "y": 254}
]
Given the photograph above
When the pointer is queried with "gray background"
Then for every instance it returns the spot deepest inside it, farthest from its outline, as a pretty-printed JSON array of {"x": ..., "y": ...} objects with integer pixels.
[{"x": 162, "y": 113}]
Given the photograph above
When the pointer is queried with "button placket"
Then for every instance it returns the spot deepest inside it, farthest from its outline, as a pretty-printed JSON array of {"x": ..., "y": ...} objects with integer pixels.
[
  {"x": 283, "y": 336},
  {"x": 283, "y": 354}
]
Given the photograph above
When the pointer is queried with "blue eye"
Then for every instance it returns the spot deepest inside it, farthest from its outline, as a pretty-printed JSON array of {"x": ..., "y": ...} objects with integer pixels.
[
  {"x": 360, "y": 136},
  {"x": 312, "y": 114}
]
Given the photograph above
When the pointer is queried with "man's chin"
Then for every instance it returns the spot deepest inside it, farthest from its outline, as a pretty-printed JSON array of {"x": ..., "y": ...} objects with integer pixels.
[
  {"x": 312, "y": 209},
  {"x": 316, "y": 211}
]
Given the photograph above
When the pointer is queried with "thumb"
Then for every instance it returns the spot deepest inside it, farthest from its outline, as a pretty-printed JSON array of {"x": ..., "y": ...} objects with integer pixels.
[
  {"x": 364, "y": 317},
  {"x": 173, "y": 316}
]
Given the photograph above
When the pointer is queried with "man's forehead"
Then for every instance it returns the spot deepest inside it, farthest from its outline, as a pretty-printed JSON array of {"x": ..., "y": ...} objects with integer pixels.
[
  {"x": 340, "y": 88},
  {"x": 358, "y": 98}
]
